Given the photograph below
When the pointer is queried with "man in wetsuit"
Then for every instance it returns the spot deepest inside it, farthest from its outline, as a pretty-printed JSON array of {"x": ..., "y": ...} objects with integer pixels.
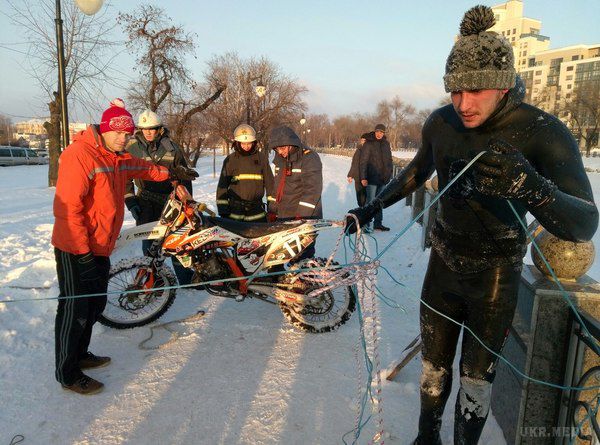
[{"x": 531, "y": 160}]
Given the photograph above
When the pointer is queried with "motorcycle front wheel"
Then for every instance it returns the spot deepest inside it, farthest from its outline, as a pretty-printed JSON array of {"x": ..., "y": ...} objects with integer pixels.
[
  {"x": 127, "y": 308},
  {"x": 326, "y": 311}
]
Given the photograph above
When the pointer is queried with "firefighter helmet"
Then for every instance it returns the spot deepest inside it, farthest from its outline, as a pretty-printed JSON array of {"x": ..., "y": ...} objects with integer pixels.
[
  {"x": 244, "y": 133},
  {"x": 148, "y": 119}
]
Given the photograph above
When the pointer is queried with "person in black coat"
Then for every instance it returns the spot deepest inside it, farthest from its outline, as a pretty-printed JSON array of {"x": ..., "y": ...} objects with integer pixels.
[
  {"x": 375, "y": 169},
  {"x": 152, "y": 143},
  {"x": 246, "y": 178},
  {"x": 354, "y": 173}
]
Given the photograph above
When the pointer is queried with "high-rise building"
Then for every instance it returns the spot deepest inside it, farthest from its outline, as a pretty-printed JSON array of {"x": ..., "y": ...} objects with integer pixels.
[{"x": 551, "y": 76}]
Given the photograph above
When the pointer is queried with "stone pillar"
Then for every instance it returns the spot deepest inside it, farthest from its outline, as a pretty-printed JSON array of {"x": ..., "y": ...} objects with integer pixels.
[
  {"x": 538, "y": 345},
  {"x": 418, "y": 201}
]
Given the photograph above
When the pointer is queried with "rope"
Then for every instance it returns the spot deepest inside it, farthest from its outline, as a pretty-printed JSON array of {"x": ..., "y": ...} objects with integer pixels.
[
  {"x": 174, "y": 334},
  {"x": 17, "y": 438}
]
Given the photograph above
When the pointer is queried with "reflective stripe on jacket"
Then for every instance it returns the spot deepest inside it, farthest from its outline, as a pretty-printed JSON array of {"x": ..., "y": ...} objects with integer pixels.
[{"x": 89, "y": 198}]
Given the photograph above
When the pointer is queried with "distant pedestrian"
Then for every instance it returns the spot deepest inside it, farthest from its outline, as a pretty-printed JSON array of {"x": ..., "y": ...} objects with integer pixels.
[
  {"x": 376, "y": 168},
  {"x": 354, "y": 173},
  {"x": 88, "y": 210},
  {"x": 246, "y": 178}
]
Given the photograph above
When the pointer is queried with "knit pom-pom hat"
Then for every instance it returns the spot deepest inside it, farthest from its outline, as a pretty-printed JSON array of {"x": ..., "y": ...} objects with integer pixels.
[{"x": 480, "y": 59}]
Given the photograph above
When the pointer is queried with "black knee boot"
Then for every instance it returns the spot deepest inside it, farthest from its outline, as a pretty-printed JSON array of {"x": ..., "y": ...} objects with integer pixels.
[
  {"x": 435, "y": 389},
  {"x": 471, "y": 411}
]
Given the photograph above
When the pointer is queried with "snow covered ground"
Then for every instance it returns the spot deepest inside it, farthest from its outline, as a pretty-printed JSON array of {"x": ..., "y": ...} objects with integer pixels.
[{"x": 238, "y": 375}]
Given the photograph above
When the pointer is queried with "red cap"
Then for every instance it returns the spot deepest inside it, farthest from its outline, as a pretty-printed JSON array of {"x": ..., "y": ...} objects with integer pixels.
[{"x": 117, "y": 118}]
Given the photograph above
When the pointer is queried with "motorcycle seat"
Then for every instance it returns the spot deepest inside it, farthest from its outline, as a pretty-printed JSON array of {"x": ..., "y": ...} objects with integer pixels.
[{"x": 252, "y": 229}]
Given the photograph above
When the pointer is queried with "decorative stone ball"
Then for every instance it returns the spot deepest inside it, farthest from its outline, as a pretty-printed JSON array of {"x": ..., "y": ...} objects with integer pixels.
[{"x": 569, "y": 260}]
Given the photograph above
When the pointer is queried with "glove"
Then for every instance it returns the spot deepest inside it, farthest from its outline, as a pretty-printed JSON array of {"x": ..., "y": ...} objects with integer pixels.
[
  {"x": 133, "y": 207},
  {"x": 504, "y": 172},
  {"x": 364, "y": 214},
  {"x": 88, "y": 273},
  {"x": 271, "y": 217},
  {"x": 183, "y": 173}
]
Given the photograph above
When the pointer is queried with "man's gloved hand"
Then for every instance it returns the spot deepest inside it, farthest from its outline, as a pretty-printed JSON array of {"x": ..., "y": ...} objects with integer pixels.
[
  {"x": 134, "y": 207},
  {"x": 183, "y": 173},
  {"x": 504, "y": 172},
  {"x": 88, "y": 273},
  {"x": 364, "y": 214},
  {"x": 271, "y": 217}
]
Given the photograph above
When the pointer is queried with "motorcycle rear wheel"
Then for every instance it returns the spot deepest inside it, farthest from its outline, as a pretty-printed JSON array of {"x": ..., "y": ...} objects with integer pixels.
[
  {"x": 130, "y": 310},
  {"x": 328, "y": 310}
]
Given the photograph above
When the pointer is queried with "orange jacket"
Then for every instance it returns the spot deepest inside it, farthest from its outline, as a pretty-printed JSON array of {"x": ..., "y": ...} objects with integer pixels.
[{"x": 89, "y": 200}]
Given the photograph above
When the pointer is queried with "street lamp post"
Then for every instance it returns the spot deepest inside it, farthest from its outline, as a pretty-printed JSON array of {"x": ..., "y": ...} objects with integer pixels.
[
  {"x": 88, "y": 7},
  {"x": 302, "y": 122},
  {"x": 260, "y": 91}
]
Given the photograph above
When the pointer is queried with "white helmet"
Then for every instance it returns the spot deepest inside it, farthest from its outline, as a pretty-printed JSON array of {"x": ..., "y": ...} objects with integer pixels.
[
  {"x": 244, "y": 133},
  {"x": 148, "y": 119}
]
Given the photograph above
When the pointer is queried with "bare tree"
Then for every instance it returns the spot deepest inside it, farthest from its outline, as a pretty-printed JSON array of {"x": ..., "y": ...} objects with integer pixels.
[
  {"x": 161, "y": 48},
  {"x": 583, "y": 114},
  {"x": 239, "y": 103},
  {"x": 164, "y": 83},
  {"x": 88, "y": 59},
  {"x": 5, "y": 130}
]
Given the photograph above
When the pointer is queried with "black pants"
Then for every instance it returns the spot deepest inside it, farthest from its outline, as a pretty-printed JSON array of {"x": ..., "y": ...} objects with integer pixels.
[
  {"x": 151, "y": 211},
  {"x": 75, "y": 317},
  {"x": 485, "y": 302}
]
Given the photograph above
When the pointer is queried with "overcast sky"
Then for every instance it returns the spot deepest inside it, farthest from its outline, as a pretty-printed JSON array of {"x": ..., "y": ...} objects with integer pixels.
[{"x": 349, "y": 54}]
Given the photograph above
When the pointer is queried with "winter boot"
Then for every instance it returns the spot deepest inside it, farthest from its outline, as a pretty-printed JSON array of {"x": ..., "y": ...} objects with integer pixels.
[
  {"x": 437, "y": 441},
  {"x": 90, "y": 360},
  {"x": 85, "y": 385},
  {"x": 382, "y": 228}
]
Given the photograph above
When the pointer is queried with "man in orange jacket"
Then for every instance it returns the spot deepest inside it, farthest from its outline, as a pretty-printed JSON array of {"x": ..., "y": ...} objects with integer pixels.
[{"x": 88, "y": 209}]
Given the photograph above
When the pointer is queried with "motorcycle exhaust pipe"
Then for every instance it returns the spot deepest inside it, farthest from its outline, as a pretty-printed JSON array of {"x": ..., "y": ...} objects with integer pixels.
[{"x": 284, "y": 296}]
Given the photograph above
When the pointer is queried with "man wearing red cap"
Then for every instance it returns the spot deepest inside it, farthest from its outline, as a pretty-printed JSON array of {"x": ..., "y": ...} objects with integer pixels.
[{"x": 88, "y": 209}]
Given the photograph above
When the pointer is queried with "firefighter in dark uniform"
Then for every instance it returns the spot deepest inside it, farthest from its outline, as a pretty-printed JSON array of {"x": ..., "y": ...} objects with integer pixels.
[
  {"x": 152, "y": 143},
  {"x": 298, "y": 180},
  {"x": 245, "y": 178}
]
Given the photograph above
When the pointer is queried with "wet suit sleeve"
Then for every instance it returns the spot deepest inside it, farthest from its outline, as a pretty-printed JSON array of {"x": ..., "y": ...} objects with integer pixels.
[
  {"x": 413, "y": 175},
  {"x": 223, "y": 190},
  {"x": 571, "y": 214}
]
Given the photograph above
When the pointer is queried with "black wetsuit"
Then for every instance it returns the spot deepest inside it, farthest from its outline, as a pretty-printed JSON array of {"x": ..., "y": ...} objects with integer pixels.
[{"x": 478, "y": 246}]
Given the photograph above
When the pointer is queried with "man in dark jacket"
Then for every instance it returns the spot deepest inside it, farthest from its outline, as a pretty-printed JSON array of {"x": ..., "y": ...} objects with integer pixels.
[
  {"x": 531, "y": 160},
  {"x": 354, "y": 173},
  {"x": 298, "y": 179},
  {"x": 375, "y": 167},
  {"x": 152, "y": 143},
  {"x": 245, "y": 178}
]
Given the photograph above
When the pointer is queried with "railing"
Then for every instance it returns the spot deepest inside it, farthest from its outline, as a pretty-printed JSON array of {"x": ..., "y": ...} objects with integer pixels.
[
  {"x": 399, "y": 163},
  {"x": 579, "y": 409}
]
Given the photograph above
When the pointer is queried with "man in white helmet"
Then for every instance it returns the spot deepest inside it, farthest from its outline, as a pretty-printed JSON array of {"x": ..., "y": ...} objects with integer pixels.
[
  {"x": 245, "y": 178},
  {"x": 146, "y": 200}
]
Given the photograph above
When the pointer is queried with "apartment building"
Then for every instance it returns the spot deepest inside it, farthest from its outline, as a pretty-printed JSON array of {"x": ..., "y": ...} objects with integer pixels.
[
  {"x": 551, "y": 75},
  {"x": 33, "y": 129}
]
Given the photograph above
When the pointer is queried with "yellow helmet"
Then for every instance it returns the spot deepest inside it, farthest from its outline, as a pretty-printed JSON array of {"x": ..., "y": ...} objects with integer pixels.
[
  {"x": 244, "y": 133},
  {"x": 149, "y": 119}
]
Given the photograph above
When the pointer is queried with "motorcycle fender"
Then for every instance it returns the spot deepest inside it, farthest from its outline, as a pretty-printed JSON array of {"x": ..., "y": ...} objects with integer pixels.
[{"x": 151, "y": 230}]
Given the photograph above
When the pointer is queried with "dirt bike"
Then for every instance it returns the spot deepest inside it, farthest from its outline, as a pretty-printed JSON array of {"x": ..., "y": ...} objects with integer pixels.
[{"x": 229, "y": 259}]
